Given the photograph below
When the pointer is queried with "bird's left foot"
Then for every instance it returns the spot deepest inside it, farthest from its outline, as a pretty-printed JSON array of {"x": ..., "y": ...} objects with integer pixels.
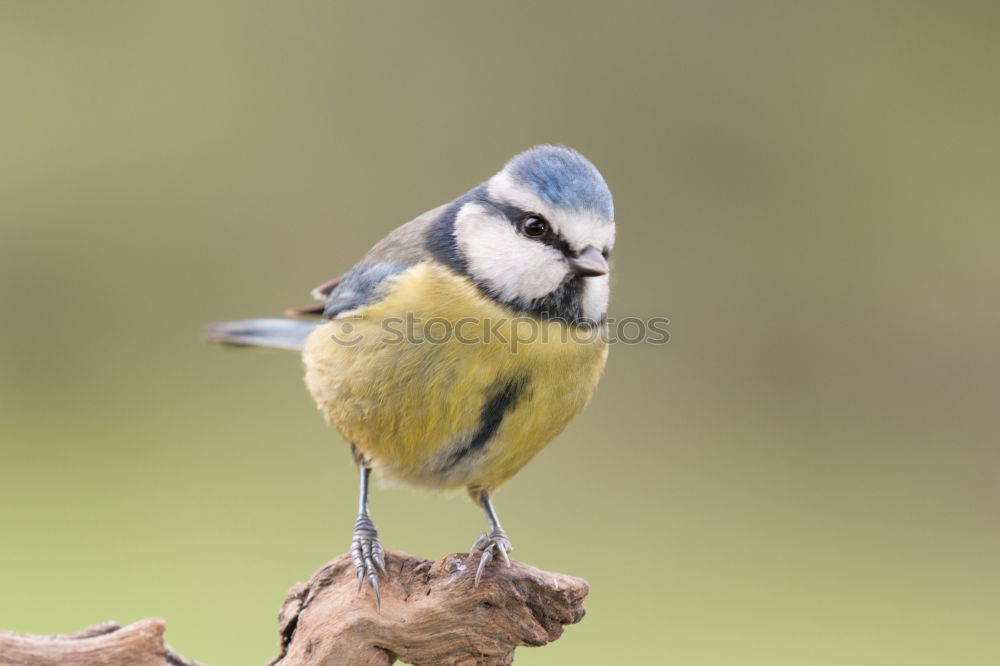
[
  {"x": 367, "y": 553},
  {"x": 494, "y": 542}
]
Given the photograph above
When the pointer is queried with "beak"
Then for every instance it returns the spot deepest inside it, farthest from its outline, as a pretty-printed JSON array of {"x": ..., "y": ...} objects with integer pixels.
[{"x": 589, "y": 263}]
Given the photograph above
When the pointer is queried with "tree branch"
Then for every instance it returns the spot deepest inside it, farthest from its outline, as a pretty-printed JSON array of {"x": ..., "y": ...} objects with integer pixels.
[
  {"x": 109, "y": 644},
  {"x": 431, "y": 615}
]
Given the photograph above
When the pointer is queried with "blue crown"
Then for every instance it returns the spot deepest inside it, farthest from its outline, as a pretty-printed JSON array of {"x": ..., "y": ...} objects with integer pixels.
[{"x": 563, "y": 178}]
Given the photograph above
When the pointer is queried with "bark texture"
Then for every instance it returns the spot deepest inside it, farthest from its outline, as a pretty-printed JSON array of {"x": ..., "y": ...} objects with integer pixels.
[{"x": 431, "y": 615}]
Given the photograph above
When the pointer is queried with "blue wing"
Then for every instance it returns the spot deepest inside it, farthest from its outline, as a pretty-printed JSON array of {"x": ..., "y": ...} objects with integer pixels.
[{"x": 361, "y": 285}]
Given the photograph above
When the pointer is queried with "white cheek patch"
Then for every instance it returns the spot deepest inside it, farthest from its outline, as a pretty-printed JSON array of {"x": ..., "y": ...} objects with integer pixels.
[
  {"x": 514, "y": 267},
  {"x": 595, "y": 297}
]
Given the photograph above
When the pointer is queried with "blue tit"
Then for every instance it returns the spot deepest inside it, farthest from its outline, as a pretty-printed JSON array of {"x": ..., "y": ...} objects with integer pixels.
[{"x": 514, "y": 276}]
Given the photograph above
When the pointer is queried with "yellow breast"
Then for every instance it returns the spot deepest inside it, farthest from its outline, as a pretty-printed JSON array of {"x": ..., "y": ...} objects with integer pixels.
[{"x": 440, "y": 386}]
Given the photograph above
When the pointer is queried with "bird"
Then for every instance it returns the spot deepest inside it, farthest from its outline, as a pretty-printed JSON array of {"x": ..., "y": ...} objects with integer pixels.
[{"x": 464, "y": 341}]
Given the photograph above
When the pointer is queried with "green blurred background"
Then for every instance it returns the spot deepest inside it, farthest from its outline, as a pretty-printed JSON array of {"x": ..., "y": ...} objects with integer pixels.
[{"x": 806, "y": 474}]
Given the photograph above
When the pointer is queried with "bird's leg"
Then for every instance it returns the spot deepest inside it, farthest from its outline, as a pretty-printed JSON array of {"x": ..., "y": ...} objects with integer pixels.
[
  {"x": 365, "y": 547},
  {"x": 495, "y": 541}
]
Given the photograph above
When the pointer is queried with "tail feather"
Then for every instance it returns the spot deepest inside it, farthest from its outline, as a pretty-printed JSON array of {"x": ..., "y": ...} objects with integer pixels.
[{"x": 277, "y": 333}]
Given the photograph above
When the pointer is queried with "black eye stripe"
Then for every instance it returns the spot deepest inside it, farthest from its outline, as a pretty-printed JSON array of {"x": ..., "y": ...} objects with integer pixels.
[
  {"x": 516, "y": 215},
  {"x": 558, "y": 242},
  {"x": 551, "y": 236}
]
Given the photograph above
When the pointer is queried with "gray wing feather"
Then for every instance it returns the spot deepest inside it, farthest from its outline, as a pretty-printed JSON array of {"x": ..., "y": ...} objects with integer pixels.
[{"x": 405, "y": 244}]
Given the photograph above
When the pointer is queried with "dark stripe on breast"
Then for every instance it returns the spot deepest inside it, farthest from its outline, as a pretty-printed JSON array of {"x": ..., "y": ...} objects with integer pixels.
[{"x": 500, "y": 400}]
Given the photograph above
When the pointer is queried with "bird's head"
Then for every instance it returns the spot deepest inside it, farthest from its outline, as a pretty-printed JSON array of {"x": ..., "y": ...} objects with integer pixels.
[{"x": 538, "y": 234}]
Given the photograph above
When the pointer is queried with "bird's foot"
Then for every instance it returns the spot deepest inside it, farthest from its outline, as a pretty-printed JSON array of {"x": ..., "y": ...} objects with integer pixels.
[
  {"x": 367, "y": 553},
  {"x": 494, "y": 542}
]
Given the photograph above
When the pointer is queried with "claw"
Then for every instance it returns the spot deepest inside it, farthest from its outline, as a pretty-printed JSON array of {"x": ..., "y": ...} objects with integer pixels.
[
  {"x": 373, "y": 580},
  {"x": 483, "y": 561},
  {"x": 359, "y": 563},
  {"x": 379, "y": 557}
]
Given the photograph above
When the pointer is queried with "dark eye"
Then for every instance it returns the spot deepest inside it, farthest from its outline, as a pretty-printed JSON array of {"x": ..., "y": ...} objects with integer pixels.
[{"x": 534, "y": 226}]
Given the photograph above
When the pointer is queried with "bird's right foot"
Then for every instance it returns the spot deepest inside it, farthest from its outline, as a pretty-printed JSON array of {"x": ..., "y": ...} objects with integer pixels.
[{"x": 367, "y": 553}]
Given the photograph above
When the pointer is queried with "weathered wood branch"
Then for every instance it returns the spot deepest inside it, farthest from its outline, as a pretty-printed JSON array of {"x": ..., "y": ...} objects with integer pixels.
[
  {"x": 108, "y": 644},
  {"x": 431, "y": 615}
]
